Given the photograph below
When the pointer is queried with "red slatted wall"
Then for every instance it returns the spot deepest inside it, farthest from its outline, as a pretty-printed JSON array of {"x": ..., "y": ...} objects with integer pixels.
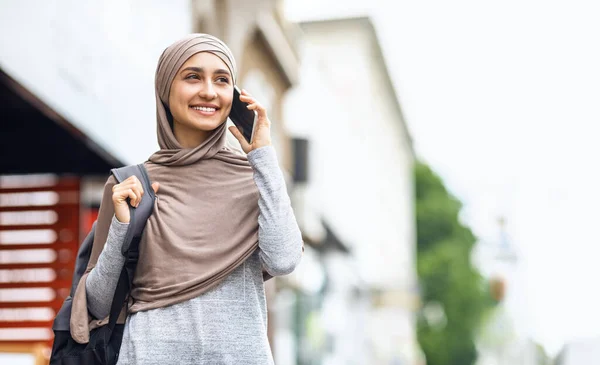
[{"x": 39, "y": 238}]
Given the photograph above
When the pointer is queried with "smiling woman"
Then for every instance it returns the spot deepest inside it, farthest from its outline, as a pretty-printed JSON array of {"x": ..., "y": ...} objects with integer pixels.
[
  {"x": 200, "y": 99},
  {"x": 222, "y": 224}
]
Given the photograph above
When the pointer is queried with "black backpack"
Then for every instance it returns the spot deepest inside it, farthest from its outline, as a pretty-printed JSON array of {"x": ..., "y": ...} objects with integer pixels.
[{"x": 105, "y": 342}]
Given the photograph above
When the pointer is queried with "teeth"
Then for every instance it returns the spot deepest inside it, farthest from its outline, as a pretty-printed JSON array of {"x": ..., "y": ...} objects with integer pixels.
[{"x": 204, "y": 109}]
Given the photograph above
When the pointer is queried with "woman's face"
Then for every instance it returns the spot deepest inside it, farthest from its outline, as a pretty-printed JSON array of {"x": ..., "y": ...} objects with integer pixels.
[{"x": 200, "y": 98}]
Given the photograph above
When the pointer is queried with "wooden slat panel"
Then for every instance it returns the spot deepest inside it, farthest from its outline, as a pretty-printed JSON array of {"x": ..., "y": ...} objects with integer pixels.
[
  {"x": 65, "y": 198},
  {"x": 71, "y": 243},
  {"x": 13, "y": 344},
  {"x": 56, "y": 284},
  {"x": 65, "y": 212},
  {"x": 51, "y": 265},
  {"x": 39, "y": 207},
  {"x": 71, "y": 185},
  {"x": 25, "y": 324},
  {"x": 67, "y": 230},
  {"x": 53, "y": 246},
  {"x": 54, "y": 304},
  {"x": 56, "y": 226}
]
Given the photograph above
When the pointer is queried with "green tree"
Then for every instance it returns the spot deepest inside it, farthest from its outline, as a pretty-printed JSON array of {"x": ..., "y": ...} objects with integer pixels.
[{"x": 455, "y": 296}]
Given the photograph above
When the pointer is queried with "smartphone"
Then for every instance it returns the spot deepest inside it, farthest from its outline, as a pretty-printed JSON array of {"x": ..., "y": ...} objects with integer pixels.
[{"x": 243, "y": 118}]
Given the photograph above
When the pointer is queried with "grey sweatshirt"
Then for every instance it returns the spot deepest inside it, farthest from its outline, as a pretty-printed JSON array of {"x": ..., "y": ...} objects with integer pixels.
[{"x": 228, "y": 324}]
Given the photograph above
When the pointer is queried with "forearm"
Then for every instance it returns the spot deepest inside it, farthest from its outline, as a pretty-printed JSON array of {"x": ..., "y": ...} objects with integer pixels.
[
  {"x": 102, "y": 280},
  {"x": 279, "y": 237}
]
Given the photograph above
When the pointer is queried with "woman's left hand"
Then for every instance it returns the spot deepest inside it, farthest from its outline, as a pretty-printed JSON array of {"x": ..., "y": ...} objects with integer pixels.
[{"x": 262, "y": 134}]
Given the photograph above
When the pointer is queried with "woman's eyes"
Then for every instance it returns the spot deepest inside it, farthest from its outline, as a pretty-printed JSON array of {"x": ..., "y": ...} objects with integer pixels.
[{"x": 221, "y": 79}]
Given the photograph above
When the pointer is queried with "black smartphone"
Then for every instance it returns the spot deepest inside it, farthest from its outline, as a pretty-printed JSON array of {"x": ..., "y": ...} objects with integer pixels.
[{"x": 243, "y": 118}]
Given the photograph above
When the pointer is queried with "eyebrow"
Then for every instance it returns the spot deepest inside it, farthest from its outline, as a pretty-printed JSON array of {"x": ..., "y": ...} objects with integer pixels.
[{"x": 201, "y": 70}]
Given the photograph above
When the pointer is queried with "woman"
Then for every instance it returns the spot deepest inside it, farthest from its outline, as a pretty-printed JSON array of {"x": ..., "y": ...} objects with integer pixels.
[{"x": 221, "y": 220}]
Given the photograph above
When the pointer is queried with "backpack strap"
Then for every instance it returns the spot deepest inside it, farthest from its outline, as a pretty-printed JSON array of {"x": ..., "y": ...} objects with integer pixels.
[
  {"x": 139, "y": 215},
  {"x": 138, "y": 218}
]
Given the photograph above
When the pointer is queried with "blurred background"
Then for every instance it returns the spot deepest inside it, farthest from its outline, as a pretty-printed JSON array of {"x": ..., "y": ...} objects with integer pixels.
[{"x": 440, "y": 157}]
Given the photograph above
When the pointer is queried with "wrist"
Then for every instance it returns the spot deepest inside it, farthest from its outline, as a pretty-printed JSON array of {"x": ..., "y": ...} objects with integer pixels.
[
  {"x": 263, "y": 156},
  {"x": 122, "y": 217},
  {"x": 263, "y": 147},
  {"x": 117, "y": 222}
]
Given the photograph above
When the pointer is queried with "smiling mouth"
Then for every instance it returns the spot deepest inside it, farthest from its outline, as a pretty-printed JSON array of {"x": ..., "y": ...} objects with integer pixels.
[{"x": 204, "y": 109}]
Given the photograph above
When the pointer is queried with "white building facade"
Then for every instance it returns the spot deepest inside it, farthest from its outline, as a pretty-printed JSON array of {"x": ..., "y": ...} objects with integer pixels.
[
  {"x": 503, "y": 339},
  {"x": 358, "y": 200}
]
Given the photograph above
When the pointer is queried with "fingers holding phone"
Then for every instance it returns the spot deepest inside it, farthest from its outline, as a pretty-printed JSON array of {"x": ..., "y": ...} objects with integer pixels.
[
  {"x": 261, "y": 125},
  {"x": 253, "y": 104}
]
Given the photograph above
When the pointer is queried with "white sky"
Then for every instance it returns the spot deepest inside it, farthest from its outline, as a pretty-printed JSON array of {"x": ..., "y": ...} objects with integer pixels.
[{"x": 502, "y": 99}]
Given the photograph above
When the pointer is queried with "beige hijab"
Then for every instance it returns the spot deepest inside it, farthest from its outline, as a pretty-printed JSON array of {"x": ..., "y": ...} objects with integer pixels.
[{"x": 205, "y": 218}]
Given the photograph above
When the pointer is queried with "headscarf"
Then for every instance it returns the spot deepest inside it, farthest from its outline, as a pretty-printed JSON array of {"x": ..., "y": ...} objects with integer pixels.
[
  {"x": 205, "y": 219},
  {"x": 169, "y": 64}
]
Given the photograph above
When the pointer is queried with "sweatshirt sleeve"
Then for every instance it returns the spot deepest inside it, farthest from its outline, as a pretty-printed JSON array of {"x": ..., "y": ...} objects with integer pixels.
[
  {"x": 279, "y": 237},
  {"x": 81, "y": 321},
  {"x": 102, "y": 281}
]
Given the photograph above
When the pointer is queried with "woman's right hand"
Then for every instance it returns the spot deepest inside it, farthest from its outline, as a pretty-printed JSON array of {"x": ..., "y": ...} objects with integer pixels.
[{"x": 130, "y": 188}]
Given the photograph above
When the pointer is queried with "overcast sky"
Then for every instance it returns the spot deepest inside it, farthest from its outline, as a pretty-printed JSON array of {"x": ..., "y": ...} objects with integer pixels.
[{"x": 502, "y": 99}]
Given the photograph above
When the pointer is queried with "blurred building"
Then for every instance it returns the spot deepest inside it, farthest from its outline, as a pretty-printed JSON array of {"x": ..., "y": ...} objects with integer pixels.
[
  {"x": 501, "y": 341},
  {"x": 584, "y": 351},
  {"x": 353, "y": 298},
  {"x": 76, "y": 99},
  {"x": 264, "y": 45}
]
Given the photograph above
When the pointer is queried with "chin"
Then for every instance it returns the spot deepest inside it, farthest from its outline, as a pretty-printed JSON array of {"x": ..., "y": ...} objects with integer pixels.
[{"x": 206, "y": 125}]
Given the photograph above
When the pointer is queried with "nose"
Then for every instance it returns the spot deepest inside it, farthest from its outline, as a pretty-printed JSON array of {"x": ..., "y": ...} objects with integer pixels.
[{"x": 207, "y": 91}]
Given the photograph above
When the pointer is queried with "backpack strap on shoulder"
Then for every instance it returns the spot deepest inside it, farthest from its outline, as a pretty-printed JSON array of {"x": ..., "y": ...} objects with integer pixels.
[
  {"x": 138, "y": 215},
  {"x": 138, "y": 218}
]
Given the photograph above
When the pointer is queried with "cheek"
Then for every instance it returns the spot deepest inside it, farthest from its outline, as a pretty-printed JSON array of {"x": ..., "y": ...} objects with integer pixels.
[
  {"x": 180, "y": 95},
  {"x": 178, "y": 105},
  {"x": 226, "y": 104}
]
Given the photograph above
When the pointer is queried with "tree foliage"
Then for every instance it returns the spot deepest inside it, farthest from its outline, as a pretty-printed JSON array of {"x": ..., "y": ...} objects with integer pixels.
[{"x": 446, "y": 276}]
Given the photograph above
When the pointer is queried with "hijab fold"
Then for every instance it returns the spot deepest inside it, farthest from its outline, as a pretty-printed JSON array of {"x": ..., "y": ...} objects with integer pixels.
[{"x": 205, "y": 219}]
